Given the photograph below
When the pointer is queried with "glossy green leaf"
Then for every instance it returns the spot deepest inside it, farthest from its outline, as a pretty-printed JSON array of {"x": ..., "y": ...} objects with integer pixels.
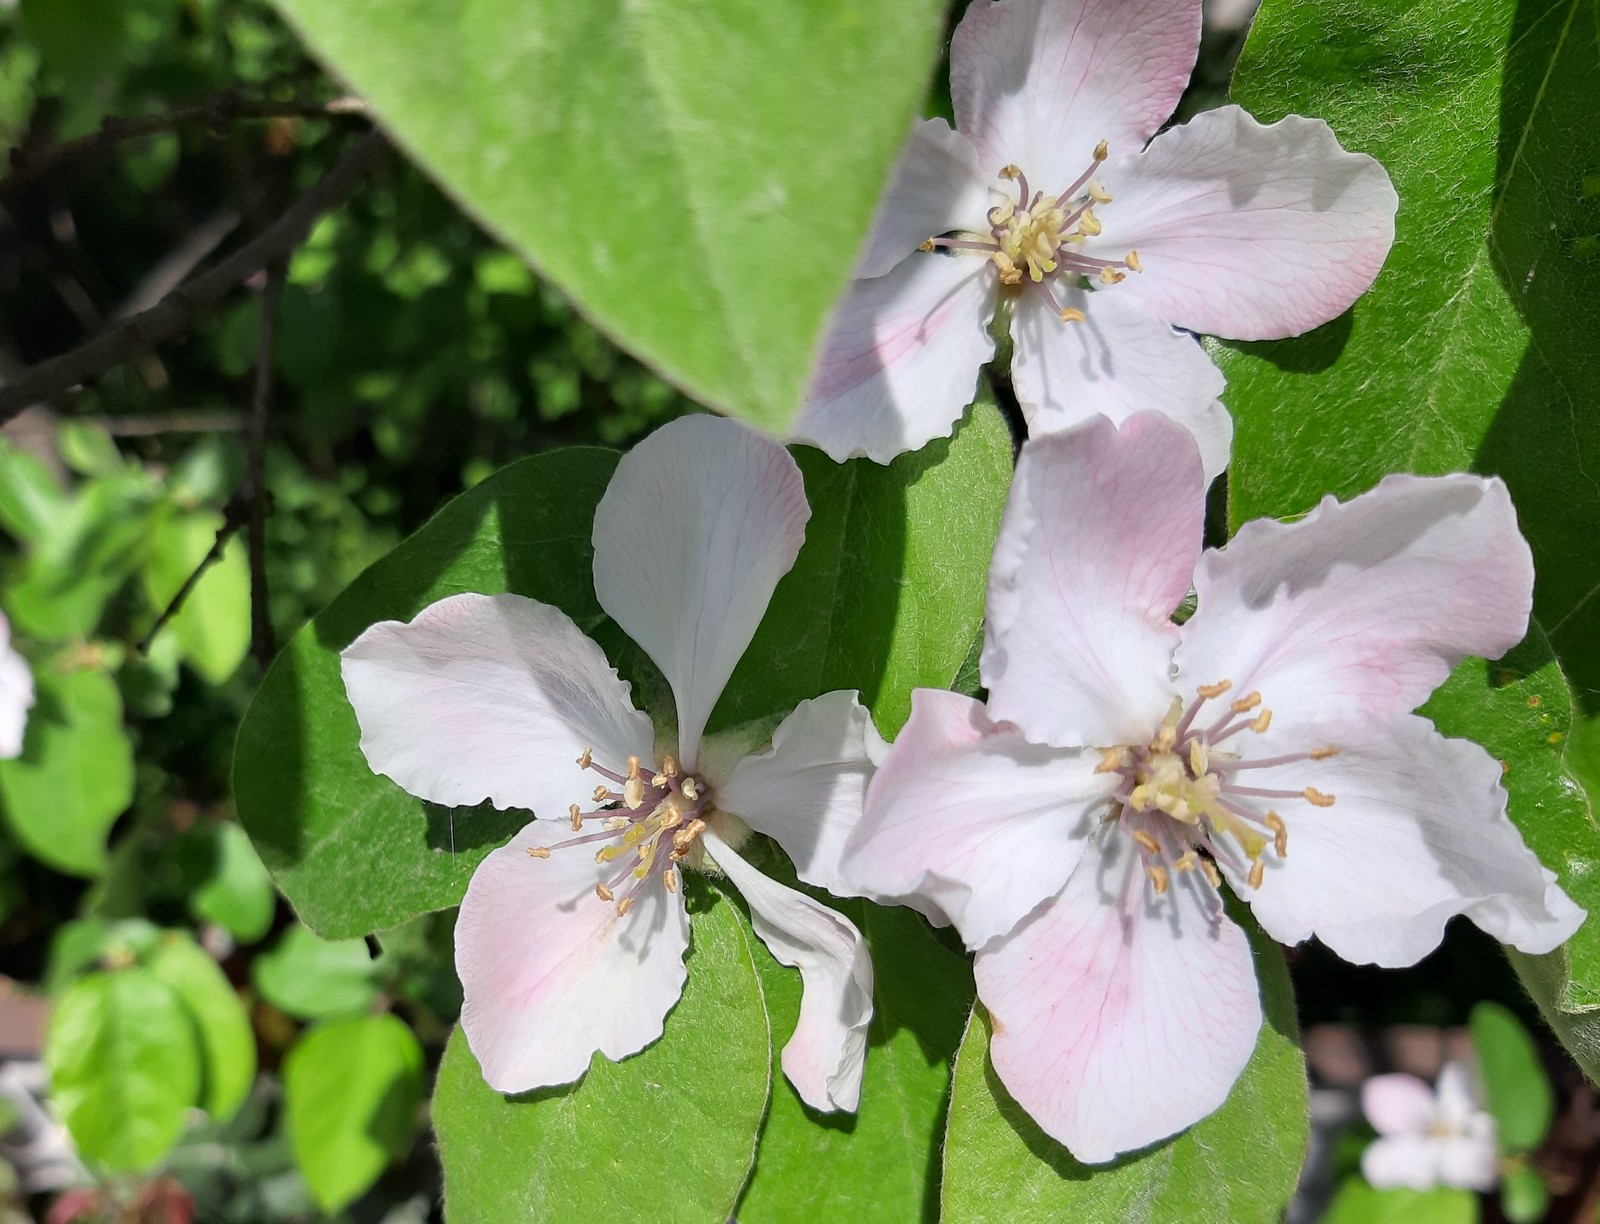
[
  {"x": 124, "y": 1062},
  {"x": 232, "y": 888},
  {"x": 744, "y": 142},
  {"x": 886, "y": 594},
  {"x": 30, "y": 498},
  {"x": 75, "y": 774},
  {"x": 1359, "y": 1203},
  {"x": 227, "y": 1042},
  {"x": 1238, "y": 1166},
  {"x": 315, "y": 978},
  {"x": 1524, "y": 1197},
  {"x": 1514, "y": 1081},
  {"x": 352, "y": 1091},
  {"x": 213, "y": 623},
  {"x": 666, "y": 1134}
]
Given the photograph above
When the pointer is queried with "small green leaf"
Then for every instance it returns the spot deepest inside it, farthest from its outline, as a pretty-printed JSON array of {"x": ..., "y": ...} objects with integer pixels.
[
  {"x": 30, "y": 498},
  {"x": 124, "y": 1064},
  {"x": 213, "y": 624},
  {"x": 314, "y": 978},
  {"x": 1524, "y": 1198},
  {"x": 1514, "y": 1081},
  {"x": 352, "y": 1090},
  {"x": 227, "y": 1043},
  {"x": 234, "y": 889},
  {"x": 1359, "y": 1203},
  {"x": 87, "y": 448},
  {"x": 668, "y": 1134},
  {"x": 75, "y": 774}
]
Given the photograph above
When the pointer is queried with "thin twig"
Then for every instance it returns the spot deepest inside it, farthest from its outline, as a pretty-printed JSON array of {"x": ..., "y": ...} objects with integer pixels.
[
  {"x": 176, "y": 312},
  {"x": 253, "y": 491},
  {"x": 233, "y": 517}
]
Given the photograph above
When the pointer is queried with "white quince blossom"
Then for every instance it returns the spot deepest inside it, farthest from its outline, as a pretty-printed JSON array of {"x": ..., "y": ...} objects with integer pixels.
[
  {"x": 1047, "y": 202},
  {"x": 1427, "y": 1138},
  {"x": 1077, "y": 831},
  {"x": 16, "y": 695},
  {"x": 571, "y": 937}
]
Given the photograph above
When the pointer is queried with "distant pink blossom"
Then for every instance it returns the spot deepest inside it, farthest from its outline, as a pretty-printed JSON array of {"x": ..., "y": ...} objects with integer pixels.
[
  {"x": 1429, "y": 1137},
  {"x": 16, "y": 694}
]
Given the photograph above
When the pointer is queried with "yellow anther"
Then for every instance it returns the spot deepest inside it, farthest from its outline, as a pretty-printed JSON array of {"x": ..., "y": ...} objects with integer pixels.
[
  {"x": 633, "y": 793},
  {"x": 1213, "y": 876},
  {"x": 672, "y": 818},
  {"x": 1158, "y": 877},
  {"x": 658, "y": 781},
  {"x": 1071, "y": 315},
  {"x": 586, "y": 758},
  {"x": 616, "y": 822},
  {"x": 1113, "y": 760},
  {"x": 1175, "y": 806},
  {"x": 1010, "y": 170},
  {"x": 669, "y": 767},
  {"x": 1110, "y": 276},
  {"x": 1280, "y": 834},
  {"x": 633, "y": 767},
  {"x": 1322, "y": 754},
  {"x": 1199, "y": 758},
  {"x": 670, "y": 879},
  {"x": 1260, "y": 722},
  {"x": 604, "y": 893},
  {"x": 684, "y": 837},
  {"x": 1165, "y": 738},
  {"x": 1132, "y": 260},
  {"x": 925, "y": 245},
  {"x": 577, "y": 818},
  {"x": 1098, "y": 193},
  {"x": 539, "y": 851},
  {"x": 1187, "y": 861},
  {"x": 601, "y": 794},
  {"x": 1101, "y": 150},
  {"x": 1209, "y": 691},
  {"x": 1089, "y": 223},
  {"x": 624, "y": 906},
  {"x": 1316, "y": 798},
  {"x": 691, "y": 789},
  {"x": 1145, "y": 842},
  {"x": 1258, "y": 872},
  {"x": 1248, "y": 702},
  {"x": 1139, "y": 800}
]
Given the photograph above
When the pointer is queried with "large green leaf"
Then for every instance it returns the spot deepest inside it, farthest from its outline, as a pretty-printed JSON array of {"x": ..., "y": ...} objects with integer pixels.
[
  {"x": 668, "y": 1134},
  {"x": 1514, "y": 1079},
  {"x": 316, "y": 978},
  {"x": 124, "y": 1063},
  {"x": 1359, "y": 1203},
  {"x": 227, "y": 1043},
  {"x": 697, "y": 174},
  {"x": 1238, "y": 1166},
  {"x": 75, "y": 774},
  {"x": 887, "y": 594}
]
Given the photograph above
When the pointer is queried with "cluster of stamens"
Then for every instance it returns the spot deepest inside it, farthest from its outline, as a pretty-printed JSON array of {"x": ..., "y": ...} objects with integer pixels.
[
  {"x": 1182, "y": 803},
  {"x": 1039, "y": 237},
  {"x": 650, "y": 821}
]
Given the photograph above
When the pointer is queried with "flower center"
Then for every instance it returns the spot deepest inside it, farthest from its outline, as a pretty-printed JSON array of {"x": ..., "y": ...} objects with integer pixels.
[
  {"x": 1181, "y": 800},
  {"x": 650, "y": 821},
  {"x": 1038, "y": 236}
]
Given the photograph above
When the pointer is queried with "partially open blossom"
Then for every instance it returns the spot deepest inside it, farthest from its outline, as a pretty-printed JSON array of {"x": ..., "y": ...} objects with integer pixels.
[
  {"x": 1427, "y": 1138},
  {"x": 16, "y": 694},
  {"x": 1079, "y": 829},
  {"x": 571, "y": 937},
  {"x": 1047, "y": 202}
]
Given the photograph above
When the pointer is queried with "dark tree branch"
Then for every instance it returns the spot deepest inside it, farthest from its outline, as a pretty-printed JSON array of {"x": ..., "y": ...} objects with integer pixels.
[{"x": 176, "y": 312}]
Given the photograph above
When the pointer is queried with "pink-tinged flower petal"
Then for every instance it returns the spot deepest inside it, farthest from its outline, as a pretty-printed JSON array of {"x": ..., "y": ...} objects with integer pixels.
[
  {"x": 490, "y": 697},
  {"x": 1041, "y": 82},
  {"x": 16, "y": 695},
  {"x": 1119, "y": 361},
  {"x": 1362, "y": 608},
  {"x": 1395, "y": 1162},
  {"x": 1099, "y": 539},
  {"x": 1248, "y": 231},
  {"x": 696, "y": 527},
  {"x": 1471, "y": 1162},
  {"x": 936, "y": 188},
  {"x": 900, "y": 360},
  {"x": 1417, "y": 833},
  {"x": 1398, "y": 1104},
  {"x": 806, "y": 791},
  {"x": 551, "y": 974},
  {"x": 1121, "y": 1017},
  {"x": 825, "y": 1057},
  {"x": 973, "y": 818},
  {"x": 1457, "y": 1098}
]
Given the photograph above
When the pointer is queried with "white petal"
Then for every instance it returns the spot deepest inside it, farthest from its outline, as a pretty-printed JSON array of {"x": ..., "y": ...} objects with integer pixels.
[
  {"x": 489, "y": 697},
  {"x": 16, "y": 695},
  {"x": 900, "y": 360},
  {"x": 1040, "y": 82},
  {"x": 936, "y": 188},
  {"x": 1361, "y": 609},
  {"x": 551, "y": 974},
  {"x": 1120, "y": 360},
  {"x": 973, "y": 819},
  {"x": 1121, "y": 1017},
  {"x": 1469, "y": 1163},
  {"x": 696, "y": 527},
  {"x": 1458, "y": 1096},
  {"x": 1099, "y": 539},
  {"x": 1398, "y": 1104},
  {"x": 1247, "y": 230},
  {"x": 1417, "y": 833},
  {"x": 1394, "y": 1162},
  {"x": 806, "y": 791},
  {"x": 825, "y": 1057}
]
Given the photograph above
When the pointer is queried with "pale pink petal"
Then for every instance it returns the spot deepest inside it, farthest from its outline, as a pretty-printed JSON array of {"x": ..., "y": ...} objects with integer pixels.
[
  {"x": 16, "y": 695},
  {"x": 1362, "y": 608},
  {"x": 900, "y": 361},
  {"x": 1417, "y": 833},
  {"x": 1041, "y": 82},
  {"x": 1470, "y": 1162},
  {"x": 696, "y": 527},
  {"x": 1395, "y": 1162},
  {"x": 973, "y": 818},
  {"x": 1398, "y": 1104},
  {"x": 1248, "y": 231},
  {"x": 551, "y": 974},
  {"x": 1119, "y": 361},
  {"x": 1458, "y": 1098},
  {"x": 825, "y": 1057},
  {"x": 1099, "y": 539},
  {"x": 490, "y": 697},
  {"x": 936, "y": 188},
  {"x": 1121, "y": 1017},
  {"x": 806, "y": 791}
]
